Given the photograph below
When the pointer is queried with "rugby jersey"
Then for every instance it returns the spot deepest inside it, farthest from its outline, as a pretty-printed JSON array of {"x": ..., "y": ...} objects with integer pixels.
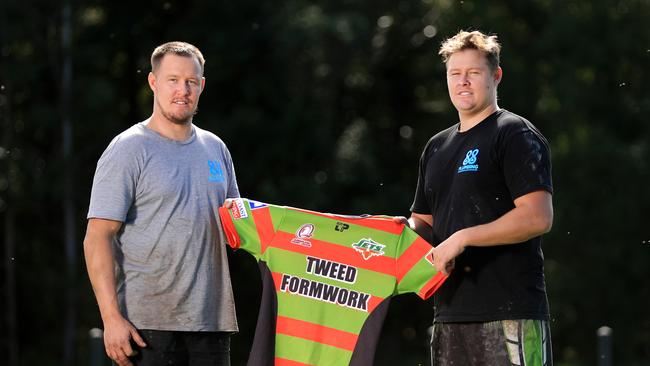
[{"x": 327, "y": 280}]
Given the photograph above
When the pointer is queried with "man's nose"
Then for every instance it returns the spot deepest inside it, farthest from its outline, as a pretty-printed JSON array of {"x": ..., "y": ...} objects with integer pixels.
[
  {"x": 184, "y": 88},
  {"x": 187, "y": 88}
]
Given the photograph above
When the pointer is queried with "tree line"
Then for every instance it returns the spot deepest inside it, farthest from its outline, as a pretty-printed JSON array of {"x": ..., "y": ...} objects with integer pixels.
[{"x": 326, "y": 106}]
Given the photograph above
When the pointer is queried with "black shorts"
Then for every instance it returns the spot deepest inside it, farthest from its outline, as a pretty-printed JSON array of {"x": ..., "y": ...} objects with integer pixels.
[
  {"x": 499, "y": 343},
  {"x": 183, "y": 348}
]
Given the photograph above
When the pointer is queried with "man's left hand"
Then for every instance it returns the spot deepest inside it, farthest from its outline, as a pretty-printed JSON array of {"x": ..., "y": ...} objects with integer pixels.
[{"x": 445, "y": 252}]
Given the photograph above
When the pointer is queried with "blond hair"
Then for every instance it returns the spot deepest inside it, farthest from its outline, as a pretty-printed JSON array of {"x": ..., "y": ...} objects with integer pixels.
[
  {"x": 177, "y": 48},
  {"x": 475, "y": 40}
]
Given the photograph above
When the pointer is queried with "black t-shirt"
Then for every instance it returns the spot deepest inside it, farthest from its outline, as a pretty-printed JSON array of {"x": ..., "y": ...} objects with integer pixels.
[{"x": 471, "y": 178}]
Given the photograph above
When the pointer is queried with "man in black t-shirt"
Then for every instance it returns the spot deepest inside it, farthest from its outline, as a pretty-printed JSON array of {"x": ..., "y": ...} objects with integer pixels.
[{"x": 484, "y": 199}]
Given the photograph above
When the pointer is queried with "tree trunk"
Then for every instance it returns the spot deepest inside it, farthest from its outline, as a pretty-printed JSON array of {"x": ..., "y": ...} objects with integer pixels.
[
  {"x": 6, "y": 209},
  {"x": 10, "y": 255},
  {"x": 68, "y": 195}
]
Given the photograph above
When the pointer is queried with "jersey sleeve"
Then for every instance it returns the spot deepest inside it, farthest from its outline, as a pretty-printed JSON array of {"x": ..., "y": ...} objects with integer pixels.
[
  {"x": 249, "y": 225},
  {"x": 415, "y": 270}
]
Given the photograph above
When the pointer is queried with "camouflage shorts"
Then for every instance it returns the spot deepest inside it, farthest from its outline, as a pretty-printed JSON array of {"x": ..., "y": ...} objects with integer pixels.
[{"x": 505, "y": 342}]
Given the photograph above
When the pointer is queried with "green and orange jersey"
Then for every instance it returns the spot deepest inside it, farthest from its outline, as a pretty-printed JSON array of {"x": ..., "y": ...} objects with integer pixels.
[{"x": 327, "y": 280}]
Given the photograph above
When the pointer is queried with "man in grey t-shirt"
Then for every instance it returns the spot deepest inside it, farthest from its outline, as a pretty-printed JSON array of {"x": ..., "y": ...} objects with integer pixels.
[{"x": 154, "y": 249}]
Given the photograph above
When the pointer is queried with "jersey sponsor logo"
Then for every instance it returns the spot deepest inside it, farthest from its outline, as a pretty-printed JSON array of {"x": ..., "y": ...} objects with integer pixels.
[
  {"x": 369, "y": 248},
  {"x": 341, "y": 226},
  {"x": 324, "y": 292},
  {"x": 303, "y": 234},
  {"x": 469, "y": 163},
  {"x": 255, "y": 204},
  {"x": 215, "y": 171},
  {"x": 238, "y": 209},
  {"x": 330, "y": 269}
]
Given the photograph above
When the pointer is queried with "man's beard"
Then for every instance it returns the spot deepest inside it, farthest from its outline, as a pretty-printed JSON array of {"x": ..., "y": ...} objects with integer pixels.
[
  {"x": 184, "y": 120},
  {"x": 179, "y": 121}
]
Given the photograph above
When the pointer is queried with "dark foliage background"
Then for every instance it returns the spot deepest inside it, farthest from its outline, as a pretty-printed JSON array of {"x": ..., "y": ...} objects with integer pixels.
[{"x": 326, "y": 105}]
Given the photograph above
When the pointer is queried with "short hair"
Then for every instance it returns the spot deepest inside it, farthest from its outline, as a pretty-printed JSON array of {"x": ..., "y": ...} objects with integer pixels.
[
  {"x": 475, "y": 40},
  {"x": 177, "y": 48}
]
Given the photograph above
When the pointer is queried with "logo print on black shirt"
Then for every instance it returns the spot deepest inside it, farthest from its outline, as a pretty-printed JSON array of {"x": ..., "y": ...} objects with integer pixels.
[{"x": 469, "y": 164}]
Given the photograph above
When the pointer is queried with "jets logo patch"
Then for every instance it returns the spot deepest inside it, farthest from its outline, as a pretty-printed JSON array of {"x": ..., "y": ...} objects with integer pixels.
[{"x": 369, "y": 248}]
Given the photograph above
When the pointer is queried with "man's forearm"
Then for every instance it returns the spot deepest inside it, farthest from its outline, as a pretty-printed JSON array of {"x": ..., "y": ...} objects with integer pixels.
[
  {"x": 518, "y": 225},
  {"x": 98, "y": 253}
]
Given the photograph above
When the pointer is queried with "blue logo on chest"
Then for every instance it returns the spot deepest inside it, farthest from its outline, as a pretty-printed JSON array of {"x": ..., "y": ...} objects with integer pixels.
[
  {"x": 469, "y": 164},
  {"x": 216, "y": 173}
]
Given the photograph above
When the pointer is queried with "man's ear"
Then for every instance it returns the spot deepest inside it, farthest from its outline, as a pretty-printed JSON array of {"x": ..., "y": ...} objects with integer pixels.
[
  {"x": 498, "y": 74},
  {"x": 152, "y": 81}
]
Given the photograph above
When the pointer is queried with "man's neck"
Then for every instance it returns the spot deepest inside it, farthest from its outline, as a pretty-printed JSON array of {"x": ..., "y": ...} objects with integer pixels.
[
  {"x": 168, "y": 129},
  {"x": 467, "y": 122}
]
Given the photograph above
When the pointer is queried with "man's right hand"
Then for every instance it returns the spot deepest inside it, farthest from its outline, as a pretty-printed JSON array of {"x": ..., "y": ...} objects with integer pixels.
[
  {"x": 228, "y": 203},
  {"x": 118, "y": 333}
]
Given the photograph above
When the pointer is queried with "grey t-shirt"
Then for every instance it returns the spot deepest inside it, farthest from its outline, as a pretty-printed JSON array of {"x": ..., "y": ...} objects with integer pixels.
[{"x": 171, "y": 265}]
